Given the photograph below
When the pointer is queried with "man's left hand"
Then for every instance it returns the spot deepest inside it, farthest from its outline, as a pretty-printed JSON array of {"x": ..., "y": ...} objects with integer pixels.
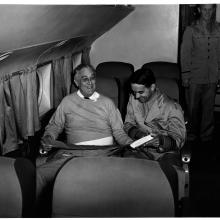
[{"x": 155, "y": 142}]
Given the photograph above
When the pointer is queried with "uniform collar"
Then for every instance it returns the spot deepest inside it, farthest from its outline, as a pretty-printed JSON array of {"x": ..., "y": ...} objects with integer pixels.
[{"x": 93, "y": 97}]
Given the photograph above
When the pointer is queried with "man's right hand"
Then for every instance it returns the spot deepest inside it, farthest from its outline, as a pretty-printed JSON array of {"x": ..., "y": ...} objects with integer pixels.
[
  {"x": 185, "y": 83},
  {"x": 46, "y": 143}
]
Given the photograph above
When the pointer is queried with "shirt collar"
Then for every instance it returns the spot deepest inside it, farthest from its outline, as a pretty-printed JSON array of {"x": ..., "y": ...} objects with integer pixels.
[
  {"x": 93, "y": 97},
  {"x": 153, "y": 98}
]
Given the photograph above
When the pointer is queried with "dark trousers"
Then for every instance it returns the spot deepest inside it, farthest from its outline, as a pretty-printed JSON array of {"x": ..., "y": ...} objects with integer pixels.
[{"x": 201, "y": 99}]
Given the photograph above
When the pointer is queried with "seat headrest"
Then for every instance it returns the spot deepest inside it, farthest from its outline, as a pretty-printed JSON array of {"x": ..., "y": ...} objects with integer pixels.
[
  {"x": 169, "y": 87},
  {"x": 164, "y": 69},
  {"x": 115, "y": 69},
  {"x": 111, "y": 187}
]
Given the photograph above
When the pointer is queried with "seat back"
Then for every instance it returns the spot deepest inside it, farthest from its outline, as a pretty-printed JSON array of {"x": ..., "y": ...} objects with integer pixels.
[
  {"x": 164, "y": 69},
  {"x": 108, "y": 87},
  {"x": 167, "y": 77},
  {"x": 17, "y": 188},
  {"x": 112, "y": 187},
  {"x": 121, "y": 72}
]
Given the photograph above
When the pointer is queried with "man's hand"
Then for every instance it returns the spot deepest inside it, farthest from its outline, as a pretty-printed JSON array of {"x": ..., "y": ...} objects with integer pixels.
[
  {"x": 155, "y": 142},
  {"x": 46, "y": 143}
]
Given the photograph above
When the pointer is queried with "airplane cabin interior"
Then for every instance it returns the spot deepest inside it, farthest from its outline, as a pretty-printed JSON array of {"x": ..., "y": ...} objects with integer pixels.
[{"x": 40, "y": 46}]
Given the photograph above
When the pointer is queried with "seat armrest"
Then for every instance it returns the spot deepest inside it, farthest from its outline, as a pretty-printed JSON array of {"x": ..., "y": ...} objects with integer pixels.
[
  {"x": 186, "y": 153},
  {"x": 186, "y": 158}
]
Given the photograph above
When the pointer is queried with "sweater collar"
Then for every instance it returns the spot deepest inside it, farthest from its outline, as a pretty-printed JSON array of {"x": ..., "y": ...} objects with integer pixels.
[{"x": 93, "y": 97}]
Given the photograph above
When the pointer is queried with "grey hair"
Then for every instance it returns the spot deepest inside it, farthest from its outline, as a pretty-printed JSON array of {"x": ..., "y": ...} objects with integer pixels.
[{"x": 76, "y": 75}]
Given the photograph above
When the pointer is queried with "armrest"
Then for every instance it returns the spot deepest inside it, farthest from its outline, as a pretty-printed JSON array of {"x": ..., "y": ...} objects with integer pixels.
[
  {"x": 186, "y": 158},
  {"x": 186, "y": 152}
]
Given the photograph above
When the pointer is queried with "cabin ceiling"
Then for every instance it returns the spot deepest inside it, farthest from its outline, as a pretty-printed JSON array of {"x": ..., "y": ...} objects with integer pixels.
[{"x": 25, "y": 26}]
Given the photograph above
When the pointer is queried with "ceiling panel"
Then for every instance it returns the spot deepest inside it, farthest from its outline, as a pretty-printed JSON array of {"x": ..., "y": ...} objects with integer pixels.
[{"x": 28, "y": 25}]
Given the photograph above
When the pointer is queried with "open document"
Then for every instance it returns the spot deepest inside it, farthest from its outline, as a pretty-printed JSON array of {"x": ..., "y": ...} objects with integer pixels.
[{"x": 141, "y": 141}]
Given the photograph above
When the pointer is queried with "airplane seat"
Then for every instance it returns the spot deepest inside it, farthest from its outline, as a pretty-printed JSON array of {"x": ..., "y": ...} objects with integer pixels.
[
  {"x": 169, "y": 87},
  {"x": 112, "y": 187},
  {"x": 108, "y": 87},
  {"x": 121, "y": 72},
  {"x": 17, "y": 188},
  {"x": 163, "y": 69}
]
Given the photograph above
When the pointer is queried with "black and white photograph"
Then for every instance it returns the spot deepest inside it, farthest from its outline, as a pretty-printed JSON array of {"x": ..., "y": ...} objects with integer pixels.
[{"x": 109, "y": 110}]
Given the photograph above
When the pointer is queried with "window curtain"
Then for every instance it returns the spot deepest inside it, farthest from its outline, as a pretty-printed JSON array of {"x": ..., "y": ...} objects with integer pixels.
[
  {"x": 59, "y": 87},
  {"x": 29, "y": 83},
  {"x": 8, "y": 134},
  {"x": 62, "y": 70},
  {"x": 85, "y": 56},
  {"x": 19, "y": 110}
]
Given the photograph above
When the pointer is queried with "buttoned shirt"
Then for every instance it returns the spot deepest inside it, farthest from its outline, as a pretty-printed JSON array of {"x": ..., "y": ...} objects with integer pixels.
[{"x": 200, "y": 53}]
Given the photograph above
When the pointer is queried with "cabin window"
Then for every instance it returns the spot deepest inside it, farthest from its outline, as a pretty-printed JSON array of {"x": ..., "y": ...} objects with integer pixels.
[{"x": 44, "y": 89}]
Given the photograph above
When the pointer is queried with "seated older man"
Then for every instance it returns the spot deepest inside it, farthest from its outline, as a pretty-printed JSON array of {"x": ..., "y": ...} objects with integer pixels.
[{"x": 87, "y": 117}]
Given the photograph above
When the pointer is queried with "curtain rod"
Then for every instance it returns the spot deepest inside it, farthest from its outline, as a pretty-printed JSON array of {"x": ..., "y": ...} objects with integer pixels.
[{"x": 9, "y": 75}]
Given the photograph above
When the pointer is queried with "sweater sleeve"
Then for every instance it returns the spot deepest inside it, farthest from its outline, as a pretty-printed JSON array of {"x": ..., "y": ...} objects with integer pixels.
[
  {"x": 185, "y": 53},
  {"x": 116, "y": 124},
  {"x": 56, "y": 123}
]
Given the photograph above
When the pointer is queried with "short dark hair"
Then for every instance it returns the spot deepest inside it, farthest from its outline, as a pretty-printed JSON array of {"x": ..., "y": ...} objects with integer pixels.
[{"x": 143, "y": 76}]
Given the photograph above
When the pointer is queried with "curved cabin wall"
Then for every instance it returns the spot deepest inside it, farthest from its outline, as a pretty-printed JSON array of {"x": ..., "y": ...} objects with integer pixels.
[{"x": 149, "y": 33}]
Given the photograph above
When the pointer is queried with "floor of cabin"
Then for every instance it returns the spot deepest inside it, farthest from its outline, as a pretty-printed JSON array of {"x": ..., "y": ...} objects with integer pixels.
[{"x": 205, "y": 178}]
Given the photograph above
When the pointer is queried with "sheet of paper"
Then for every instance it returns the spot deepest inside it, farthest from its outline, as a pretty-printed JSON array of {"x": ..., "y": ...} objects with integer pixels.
[{"x": 141, "y": 141}]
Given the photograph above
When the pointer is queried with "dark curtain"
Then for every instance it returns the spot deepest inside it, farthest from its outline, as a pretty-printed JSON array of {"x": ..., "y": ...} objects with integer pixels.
[
  {"x": 59, "y": 88},
  {"x": 85, "y": 55},
  {"x": 62, "y": 69},
  {"x": 9, "y": 140},
  {"x": 19, "y": 110}
]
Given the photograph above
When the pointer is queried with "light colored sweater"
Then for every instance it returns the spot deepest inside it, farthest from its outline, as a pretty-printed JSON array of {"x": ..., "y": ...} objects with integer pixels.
[{"x": 86, "y": 120}]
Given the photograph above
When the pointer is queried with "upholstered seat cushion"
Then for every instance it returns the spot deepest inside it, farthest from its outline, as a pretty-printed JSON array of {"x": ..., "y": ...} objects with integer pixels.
[
  {"x": 112, "y": 187},
  {"x": 17, "y": 188}
]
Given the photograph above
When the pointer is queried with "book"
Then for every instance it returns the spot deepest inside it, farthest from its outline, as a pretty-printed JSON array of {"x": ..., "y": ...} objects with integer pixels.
[{"x": 141, "y": 141}]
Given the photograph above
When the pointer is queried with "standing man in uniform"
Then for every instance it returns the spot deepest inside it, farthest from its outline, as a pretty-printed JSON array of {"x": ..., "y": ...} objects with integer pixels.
[{"x": 200, "y": 63}]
